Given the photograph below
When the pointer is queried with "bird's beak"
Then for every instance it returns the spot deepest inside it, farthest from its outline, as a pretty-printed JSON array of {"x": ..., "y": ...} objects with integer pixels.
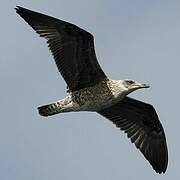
[
  {"x": 139, "y": 86},
  {"x": 144, "y": 86}
]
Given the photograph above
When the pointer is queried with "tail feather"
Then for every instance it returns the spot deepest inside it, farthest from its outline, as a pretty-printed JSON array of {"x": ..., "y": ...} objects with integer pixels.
[
  {"x": 63, "y": 105},
  {"x": 48, "y": 110}
]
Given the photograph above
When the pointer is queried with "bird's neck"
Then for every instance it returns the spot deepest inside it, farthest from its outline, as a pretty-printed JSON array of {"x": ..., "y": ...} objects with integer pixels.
[{"x": 118, "y": 89}]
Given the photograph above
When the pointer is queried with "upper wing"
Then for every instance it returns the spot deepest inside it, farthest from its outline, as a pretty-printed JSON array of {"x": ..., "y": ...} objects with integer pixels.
[
  {"x": 140, "y": 121},
  {"x": 71, "y": 46}
]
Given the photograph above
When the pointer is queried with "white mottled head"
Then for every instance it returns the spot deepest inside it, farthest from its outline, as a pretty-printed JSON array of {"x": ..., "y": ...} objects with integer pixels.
[
  {"x": 131, "y": 85},
  {"x": 122, "y": 88}
]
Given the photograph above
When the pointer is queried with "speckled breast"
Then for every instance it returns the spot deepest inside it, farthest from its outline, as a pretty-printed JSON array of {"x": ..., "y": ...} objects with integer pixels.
[{"x": 93, "y": 98}]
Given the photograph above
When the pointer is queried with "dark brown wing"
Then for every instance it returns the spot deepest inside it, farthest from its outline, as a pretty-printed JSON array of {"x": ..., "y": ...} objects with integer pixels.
[
  {"x": 141, "y": 123},
  {"x": 71, "y": 46}
]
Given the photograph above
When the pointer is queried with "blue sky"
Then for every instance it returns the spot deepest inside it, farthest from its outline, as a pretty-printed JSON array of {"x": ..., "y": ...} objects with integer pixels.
[{"x": 138, "y": 40}]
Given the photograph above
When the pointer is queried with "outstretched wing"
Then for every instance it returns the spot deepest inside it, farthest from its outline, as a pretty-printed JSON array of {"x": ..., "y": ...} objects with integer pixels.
[
  {"x": 71, "y": 46},
  {"x": 140, "y": 121}
]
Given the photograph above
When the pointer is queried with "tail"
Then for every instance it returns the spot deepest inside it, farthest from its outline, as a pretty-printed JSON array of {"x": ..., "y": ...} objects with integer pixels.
[
  {"x": 50, "y": 109},
  {"x": 64, "y": 105}
]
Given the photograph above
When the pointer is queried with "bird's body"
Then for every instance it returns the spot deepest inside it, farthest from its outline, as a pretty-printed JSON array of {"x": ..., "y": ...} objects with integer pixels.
[
  {"x": 89, "y": 89},
  {"x": 106, "y": 93}
]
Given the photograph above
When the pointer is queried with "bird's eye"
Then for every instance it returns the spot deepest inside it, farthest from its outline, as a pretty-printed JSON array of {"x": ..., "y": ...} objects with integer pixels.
[{"x": 129, "y": 82}]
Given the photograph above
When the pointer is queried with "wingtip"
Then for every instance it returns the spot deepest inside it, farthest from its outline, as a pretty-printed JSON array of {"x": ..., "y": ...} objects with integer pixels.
[
  {"x": 17, "y": 8},
  {"x": 160, "y": 171}
]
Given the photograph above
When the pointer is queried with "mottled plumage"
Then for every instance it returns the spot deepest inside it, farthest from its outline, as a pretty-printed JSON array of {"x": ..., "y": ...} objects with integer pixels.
[{"x": 89, "y": 89}]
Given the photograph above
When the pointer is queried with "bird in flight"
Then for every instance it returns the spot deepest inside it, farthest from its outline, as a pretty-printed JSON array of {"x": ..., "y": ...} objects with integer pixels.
[{"x": 89, "y": 89}]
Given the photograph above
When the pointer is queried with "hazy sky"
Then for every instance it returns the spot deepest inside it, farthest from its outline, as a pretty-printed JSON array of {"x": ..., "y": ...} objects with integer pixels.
[{"x": 137, "y": 39}]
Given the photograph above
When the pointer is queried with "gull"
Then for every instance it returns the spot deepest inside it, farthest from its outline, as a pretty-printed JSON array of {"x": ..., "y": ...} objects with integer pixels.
[{"x": 89, "y": 89}]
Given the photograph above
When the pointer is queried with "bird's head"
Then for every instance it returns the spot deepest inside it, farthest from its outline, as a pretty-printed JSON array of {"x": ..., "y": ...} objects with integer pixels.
[{"x": 131, "y": 85}]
